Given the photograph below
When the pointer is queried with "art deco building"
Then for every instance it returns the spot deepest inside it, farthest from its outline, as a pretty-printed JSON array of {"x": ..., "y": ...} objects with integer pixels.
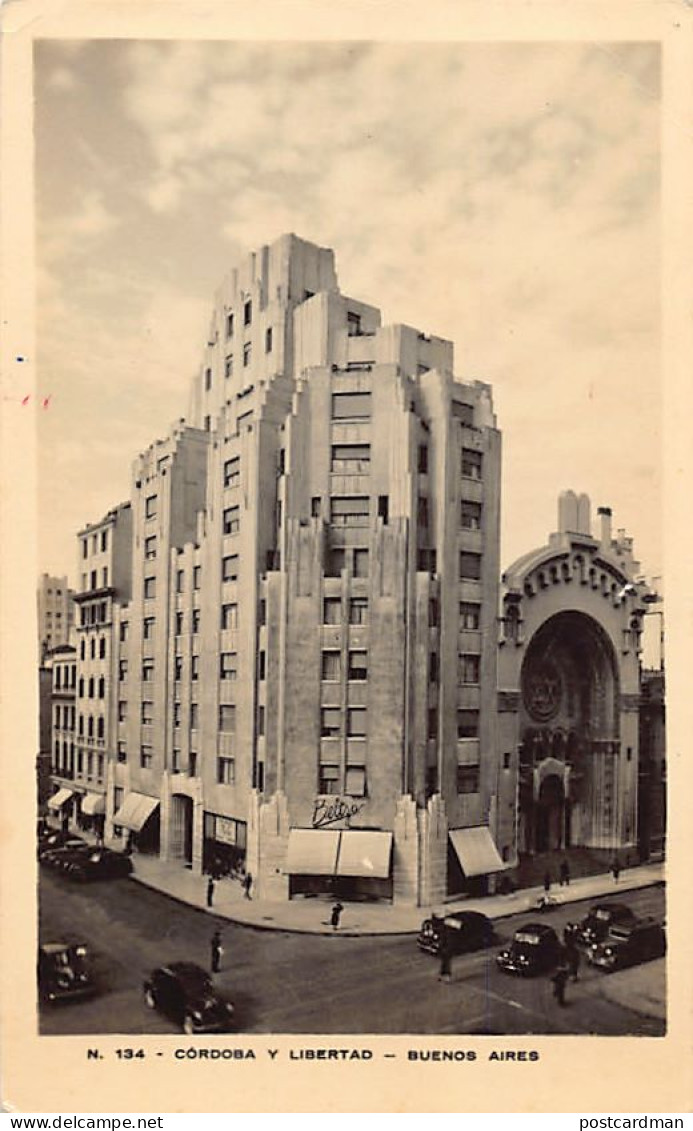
[{"x": 55, "y": 612}]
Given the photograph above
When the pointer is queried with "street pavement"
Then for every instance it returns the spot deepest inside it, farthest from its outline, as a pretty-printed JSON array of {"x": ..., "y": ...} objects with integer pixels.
[{"x": 284, "y": 982}]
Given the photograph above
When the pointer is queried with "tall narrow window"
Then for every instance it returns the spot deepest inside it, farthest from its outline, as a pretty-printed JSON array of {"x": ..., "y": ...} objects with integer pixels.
[
  {"x": 227, "y": 718},
  {"x": 332, "y": 610},
  {"x": 150, "y": 506},
  {"x": 331, "y": 666},
  {"x": 268, "y": 340},
  {"x": 229, "y": 616},
  {"x": 247, "y": 312},
  {"x": 229, "y": 568},
  {"x": 358, "y": 610},
  {"x": 471, "y": 463},
  {"x": 470, "y": 515},
  {"x": 232, "y": 472},
  {"x": 231, "y": 520}
]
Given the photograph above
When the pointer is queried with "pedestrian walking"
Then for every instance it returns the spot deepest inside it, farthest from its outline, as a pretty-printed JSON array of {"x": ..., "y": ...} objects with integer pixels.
[
  {"x": 445, "y": 951},
  {"x": 572, "y": 960},
  {"x": 210, "y": 891},
  {"x": 615, "y": 869},
  {"x": 547, "y": 882},
  {"x": 565, "y": 873},
  {"x": 559, "y": 980},
  {"x": 216, "y": 951},
  {"x": 334, "y": 918},
  {"x": 247, "y": 885},
  {"x": 570, "y": 934}
]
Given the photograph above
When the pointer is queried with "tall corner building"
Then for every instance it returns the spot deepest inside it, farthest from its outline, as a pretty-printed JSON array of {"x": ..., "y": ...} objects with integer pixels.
[{"x": 303, "y": 677}]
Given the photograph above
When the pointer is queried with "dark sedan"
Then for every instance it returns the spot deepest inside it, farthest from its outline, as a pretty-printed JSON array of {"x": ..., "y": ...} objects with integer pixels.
[
  {"x": 465, "y": 931},
  {"x": 97, "y": 864},
  {"x": 599, "y": 921},
  {"x": 185, "y": 993},
  {"x": 64, "y": 972},
  {"x": 54, "y": 855},
  {"x": 628, "y": 944},
  {"x": 535, "y": 949}
]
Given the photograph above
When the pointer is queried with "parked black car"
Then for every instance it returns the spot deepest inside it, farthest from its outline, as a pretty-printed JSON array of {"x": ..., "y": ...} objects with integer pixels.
[
  {"x": 54, "y": 839},
  {"x": 97, "y": 864},
  {"x": 53, "y": 855},
  {"x": 599, "y": 920},
  {"x": 628, "y": 944},
  {"x": 64, "y": 972},
  {"x": 185, "y": 993},
  {"x": 466, "y": 930},
  {"x": 535, "y": 948}
]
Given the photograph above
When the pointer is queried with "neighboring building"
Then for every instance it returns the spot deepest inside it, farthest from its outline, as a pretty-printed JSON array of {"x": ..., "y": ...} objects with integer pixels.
[
  {"x": 569, "y": 691},
  {"x": 652, "y": 786},
  {"x": 55, "y": 612},
  {"x": 43, "y": 757},
  {"x": 61, "y": 665}
]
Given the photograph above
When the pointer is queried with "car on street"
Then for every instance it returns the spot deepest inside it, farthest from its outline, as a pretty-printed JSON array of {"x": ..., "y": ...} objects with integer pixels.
[
  {"x": 53, "y": 855},
  {"x": 63, "y": 972},
  {"x": 184, "y": 992},
  {"x": 599, "y": 921},
  {"x": 97, "y": 864},
  {"x": 629, "y": 944},
  {"x": 466, "y": 931},
  {"x": 54, "y": 838},
  {"x": 535, "y": 948}
]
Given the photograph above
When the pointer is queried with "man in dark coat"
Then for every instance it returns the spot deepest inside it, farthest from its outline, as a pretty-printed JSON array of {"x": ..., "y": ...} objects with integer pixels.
[
  {"x": 247, "y": 884},
  {"x": 572, "y": 960},
  {"x": 210, "y": 891},
  {"x": 559, "y": 980},
  {"x": 445, "y": 951},
  {"x": 547, "y": 882},
  {"x": 616, "y": 869},
  {"x": 216, "y": 951},
  {"x": 334, "y": 918},
  {"x": 565, "y": 873}
]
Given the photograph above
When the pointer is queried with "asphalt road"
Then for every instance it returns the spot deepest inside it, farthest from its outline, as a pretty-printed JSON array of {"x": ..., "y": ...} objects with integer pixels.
[{"x": 291, "y": 983}]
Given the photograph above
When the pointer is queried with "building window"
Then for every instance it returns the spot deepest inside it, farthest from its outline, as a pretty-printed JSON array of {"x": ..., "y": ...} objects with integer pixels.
[
  {"x": 102, "y": 687},
  {"x": 194, "y": 667},
  {"x": 149, "y": 588},
  {"x": 146, "y": 757},
  {"x": 92, "y": 647},
  {"x": 93, "y": 579},
  {"x": 179, "y": 624},
  {"x": 232, "y": 472},
  {"x": 147, "y": 712},
  {"x": 262, "y": 665},
  {"x": 228, "y": 665},
  {"x": 360, "y": 563},
  {"x": 122, "y": 711},
  {"x": 229, "y": 325},
  {"x": 147, "y": 671},
  {"x": 350, "y": 459},
  {"x": 351, "y": 406},
  {"x": 232, "y": 522},
  {"x": 247, "y": 312},
  {"x": 123, "y": 632},
  {"x": 353, "y": 324},
  {"x": 331, "y": 666},
  {"x": 100, "y": 727},
  {"x": 328, "y": 779},
  {"x": 470, "y": 616},
  {"x": 91, "y": 687},
  {"x": 350, "y": 511},
  {"x": 194, "y": 716},
  {"x": 229, "y": 568},
  {"x": 122, "y": 752},
  {"x": 470, "y": 566},
  {"x": 468, "y": 779},
  {"x": 422, "y": 465},
  {"x": 81, "y": 725},
  {"x": 83, "y": 648},
  {"x": 356, "y": 722},
  {"x": 102, "y": 649},
  {"x": 261, "y": 721},
  {"x": 262, "y": 611},
  {"x": 195, "y": 626},
  {"x": 467, "y": 723},
  {"x": 355, "y": 782},
  {"x": 422, "y": 511},
  {"x": 268, "y": 340},
  {"x": 336, "y": 562},
  {"x": 150, "y": 547},
  {"x": 85, "y": 547},
  {"x": 227, "y": 718},
  {"x": 471, "y": 463},
  {"x": 122, "y": 672},
  {"x": 177, "y": 667},
  {"x": 175, "y": 762},
  {"x": 150, "y": 506},
  {"x": 316, "y": 506},
  {"x": 468, "y": 667},
  {"x": 358, "y": 665},
  {"x": 332, "y": 610},
  {"x": 228, "y": 365},
  {"x": 180, "y": 580},
  {"x": 470, "y": 515},
  {"x": 330, "y": 722},
  {"x": 383, "y": 508},
  {"x": 433, "y": 667},
  {"x": 506, "y": 761},
  {"x": 208, "y": 380},
  {"x": 358, "y": 610},
  {"x": 197, "y": 576},
  {"x": 226, "y": 771},
  {"x": 229, "y": 616},
  {"x": 148, "y": 628},
  {"x": 192, "y": 764},
  {"x": 247, "y": 354}
]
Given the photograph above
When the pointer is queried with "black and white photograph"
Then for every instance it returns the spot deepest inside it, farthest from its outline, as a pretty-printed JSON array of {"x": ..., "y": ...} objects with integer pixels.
[{"x": 349, "y": 578}]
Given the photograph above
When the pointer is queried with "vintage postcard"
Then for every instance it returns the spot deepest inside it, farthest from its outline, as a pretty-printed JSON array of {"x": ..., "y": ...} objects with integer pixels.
[{"x": 345, "y": 384}]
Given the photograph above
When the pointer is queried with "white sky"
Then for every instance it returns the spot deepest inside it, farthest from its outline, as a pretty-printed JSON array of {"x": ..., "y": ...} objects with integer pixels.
[{"x": 505, "y": 196}]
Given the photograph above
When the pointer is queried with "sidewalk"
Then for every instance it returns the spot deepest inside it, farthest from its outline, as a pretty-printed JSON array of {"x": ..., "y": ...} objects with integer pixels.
[{"x": 311, "y": 916}]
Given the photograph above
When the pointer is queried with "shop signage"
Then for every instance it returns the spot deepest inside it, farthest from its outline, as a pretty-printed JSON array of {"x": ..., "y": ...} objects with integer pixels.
[
  {"x": 225, "y": 831},
  {"x": 335, "y": 811}
]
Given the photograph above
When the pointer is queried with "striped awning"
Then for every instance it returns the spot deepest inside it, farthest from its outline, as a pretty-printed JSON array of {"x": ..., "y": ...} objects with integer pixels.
[
  {"x": 93, "y": 803},
  {"x": 364, "y": 852},
  {"x": 135, "y": 810},
  {"x": 476, "y": 852},
  {"x": 60, "y": 798},
  {"x": 312, "y": 852}
]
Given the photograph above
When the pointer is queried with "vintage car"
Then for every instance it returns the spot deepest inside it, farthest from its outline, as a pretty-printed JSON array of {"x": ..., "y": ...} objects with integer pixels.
[
  {"x": 184, "y": 992},
  {"x": 534, "y": 949},
  {"x": 97, "y": 864},
  {"x": 52, "y": 855},
  {"x": 599, "y": 920},
  {"x": 466, "y": 930},
  {"x": 628, "y": 944},
  {"x": 63, "y": 972}
]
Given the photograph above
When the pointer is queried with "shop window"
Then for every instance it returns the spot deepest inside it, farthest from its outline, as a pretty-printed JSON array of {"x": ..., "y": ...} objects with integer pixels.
[
  {"x": 360, "y": 563},
  {"x": 470, "y": 515},
  {"x": 351, "y": 406},
  {"x": 355, "y": 781},
  {"x": 332, "y": 610},
  {"x": 226, "y": 771},
  {"x": 471, "y": 463},
  {"x": 227, "y": 718},
  {"x": 358, "y": 665},
  {"x": 150, "y": 506},
  {"x": 331, "y": 666},
  {"x": 328, "y": 779},
  {"x": 330, "y": 722},
  {"x": 468, "y": 668},
  {"x": 228, "y": 665},
  {"x": 470, "y": 566},
  {"x": 229, "y": 616},
  {"x": 467, "y": 723},
  {"x": 232, "y": 472},
  {"x": 356, "y": 722},
  {"x": 229, "y": 568},
  {"x": 468, "y": 779},
  {"x": 470, "y": 615},
  {"x": 232, "y": 520},
  {"x": 358, "y": 610}
]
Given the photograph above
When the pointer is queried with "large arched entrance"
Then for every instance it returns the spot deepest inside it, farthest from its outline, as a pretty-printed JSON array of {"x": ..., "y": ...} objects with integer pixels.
[{"x": 569, "y": 736}]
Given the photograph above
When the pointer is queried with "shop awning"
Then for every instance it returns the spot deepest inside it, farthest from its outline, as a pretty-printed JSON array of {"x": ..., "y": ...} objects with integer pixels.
[
  {"x": 134, "y": 811},
  {"x": 60, "y": 798},
  {"x": 476, "y": 852},
  {"x": 363, "y": 852},
  {"x": 312, "y": 852},
  {"x": 93, "y": 803}
]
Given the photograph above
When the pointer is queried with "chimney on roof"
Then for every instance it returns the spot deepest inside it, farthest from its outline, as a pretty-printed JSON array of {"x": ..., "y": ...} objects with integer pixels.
[{"x": 604, "y": 527}]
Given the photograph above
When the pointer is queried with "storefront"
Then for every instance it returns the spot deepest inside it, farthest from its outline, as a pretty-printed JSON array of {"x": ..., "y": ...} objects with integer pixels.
[
  {"x": 60, "y": 807},
  {"x": 224, "y": 845},
  {"x": 473, "y": 861},
  {"x": 139, "y": 815},
  {"x": 340, "y": 863},
  {"x": 92, "y": 812}
]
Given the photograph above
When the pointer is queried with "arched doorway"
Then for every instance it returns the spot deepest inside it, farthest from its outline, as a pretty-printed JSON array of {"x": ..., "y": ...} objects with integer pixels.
[
  {"x": 569, "y": 730},
  {"x": 181, "y": 839}
]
